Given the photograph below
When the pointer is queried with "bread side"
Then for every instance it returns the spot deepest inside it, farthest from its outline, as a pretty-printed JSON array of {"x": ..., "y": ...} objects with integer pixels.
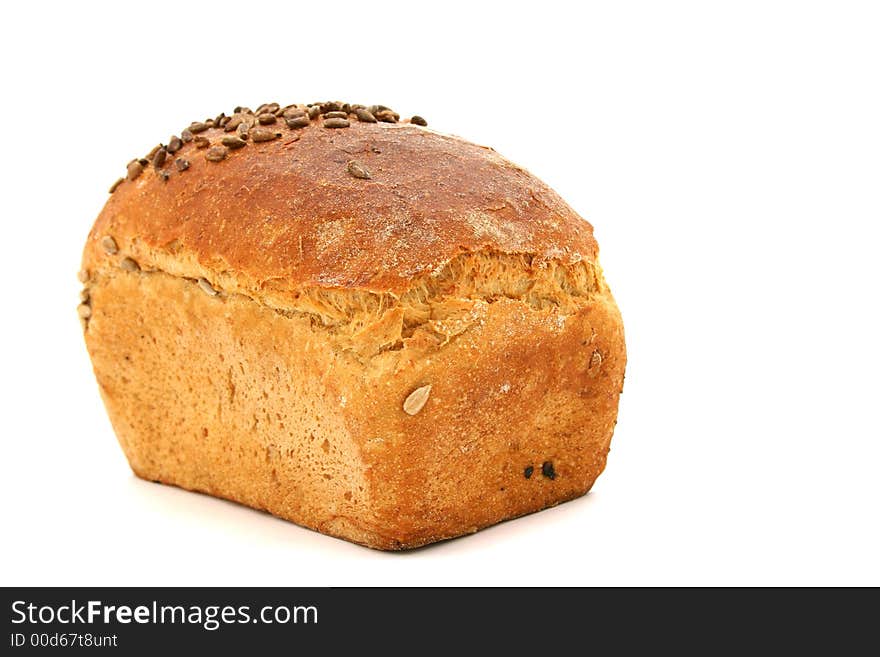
[
  {"x": 223, "y": 394},
  {"x": 225, "y": 397}
]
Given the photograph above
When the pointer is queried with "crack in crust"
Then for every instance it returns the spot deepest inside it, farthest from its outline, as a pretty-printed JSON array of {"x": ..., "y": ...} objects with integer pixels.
[{"x": 437, "y": 307}]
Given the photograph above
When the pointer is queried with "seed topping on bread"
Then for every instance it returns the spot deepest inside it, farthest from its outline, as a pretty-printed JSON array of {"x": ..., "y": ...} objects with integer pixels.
[
  {"x": 248, "y": 125},
  {"x": 416, "y": 400}
]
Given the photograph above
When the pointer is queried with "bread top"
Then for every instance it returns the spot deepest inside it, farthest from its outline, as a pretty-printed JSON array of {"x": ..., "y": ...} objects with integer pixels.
[{"x": 370, "y": 206}]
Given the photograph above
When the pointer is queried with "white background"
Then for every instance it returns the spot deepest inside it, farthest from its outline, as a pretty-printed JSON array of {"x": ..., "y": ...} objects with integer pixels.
[{"x": 728, "y": 155}]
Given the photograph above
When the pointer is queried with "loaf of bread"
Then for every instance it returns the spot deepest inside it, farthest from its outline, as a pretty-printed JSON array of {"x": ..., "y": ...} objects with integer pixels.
[{"x": 353, "y": 322}]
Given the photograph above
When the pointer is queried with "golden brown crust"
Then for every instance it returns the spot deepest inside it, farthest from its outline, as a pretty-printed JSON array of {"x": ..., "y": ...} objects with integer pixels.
[
  {"x": 222, "y": 395},
  {"x": 288, "y": 214},
  {"x": 379, "y": 332},
  {"x": 520, "y": 388}
]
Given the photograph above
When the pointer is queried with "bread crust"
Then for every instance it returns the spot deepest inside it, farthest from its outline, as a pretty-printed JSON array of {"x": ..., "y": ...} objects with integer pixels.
[
  {"x": 286, "y": 214},
  {"x": 282, "y": 310}
]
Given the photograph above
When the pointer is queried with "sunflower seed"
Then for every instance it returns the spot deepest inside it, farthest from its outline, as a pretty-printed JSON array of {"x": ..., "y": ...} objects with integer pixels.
[
  {"x": 262, "y": 134},
  {"x": 159, "y": 157},
  {"x": 116, "y": 184},
  {"x": 174, "y": 145},
  {"x": 336, "y": 115},
  {"x": 153, "y": 152},
  {"x": 84, "y": 310},
  {"x": 314, "y": 110},
  {"x": 358, "y": 170},
  {"x": 416, "y": 400},
  {"x": 330, "y": 106},
  {"x": 365, "y": 115},
  {"x": 242, "y": 130},
  {"x": 298, "y": 122},
  {"x": 207, "y": 288},
  {"x": 266, "y": 107},
  {"x": 181, "y": 164},
  {"x": 293, "y": 112},
  {"x": 109, "y": 245},
  {"x": 233, "y": 142},
  {"x": 216, "y": 153},
  {"x": 186, "y": 136},
  {"x": 336, "y": 123},
  {"x": 202, "y": 142},
  {"x": 387, "y": 116},
  {"x": 418, "y": 120},
  {"x": 135, "y": 168},
  {"x": 197, "y": 127},
  {"x": 233, "y": 123},
  {"x": 267, "y": 119},
  {"x": 129, "y": 264}
]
